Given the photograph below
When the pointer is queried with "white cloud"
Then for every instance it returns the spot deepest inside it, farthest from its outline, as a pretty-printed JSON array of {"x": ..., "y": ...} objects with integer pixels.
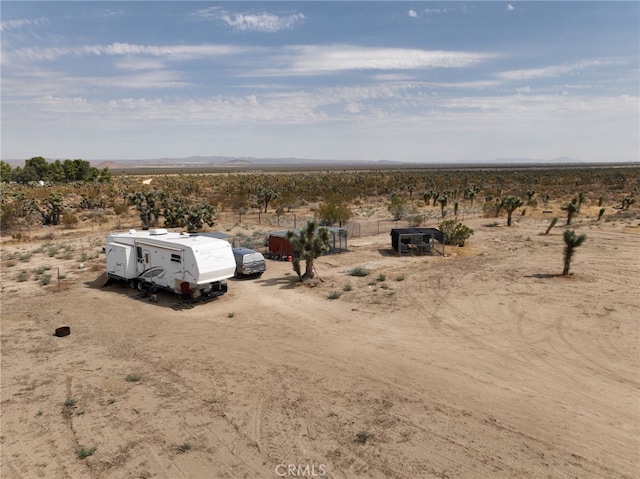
[
  {"x": 326, "y": 59},
  {"x": 413, "y": 13},
  {"x": 10, "y": 25},
  {"x": 262, "y": 22},
  {"x": 510, "y": 7},
  {"x": 253, "y": 22},
  {"x": 137, "y": 64},
  {"x": 178, "y": 52},
  {"x": 553, "y": 70}
]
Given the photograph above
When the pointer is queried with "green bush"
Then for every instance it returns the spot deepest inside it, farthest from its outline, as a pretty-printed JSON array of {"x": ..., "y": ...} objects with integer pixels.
[
  {"x": 359, "y": 271},
  {"x": 84, "y": 452},
  {"x": 456, "y": 233}
]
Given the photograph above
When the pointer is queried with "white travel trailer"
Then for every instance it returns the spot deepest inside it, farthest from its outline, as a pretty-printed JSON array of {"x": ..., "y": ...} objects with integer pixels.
[{"x": 187, "y": 264}]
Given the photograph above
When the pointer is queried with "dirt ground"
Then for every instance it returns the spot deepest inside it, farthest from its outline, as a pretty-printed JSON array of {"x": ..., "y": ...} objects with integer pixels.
[{"x": 481, "y": 364}]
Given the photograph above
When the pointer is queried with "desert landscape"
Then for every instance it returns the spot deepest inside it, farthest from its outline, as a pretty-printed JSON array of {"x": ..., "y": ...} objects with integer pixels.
[{"x": 484, "y": 363}]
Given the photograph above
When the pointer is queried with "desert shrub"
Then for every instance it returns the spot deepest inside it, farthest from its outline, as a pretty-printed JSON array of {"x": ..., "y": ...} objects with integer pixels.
[
  {"x": 363, "y": 436},
  {"x": 456, "y": 233},
  {"x": 23, "y": 276},
  {"x": 184, "y": 447},
  {"x": 41, "y": 269},
  {"x": 45, "y": 279},
  {"x": 359, "y": 271},
  {"x": 347, "y": 287},
  {"x": 69, "y": 220},
  {"x": 83, "y": 453},
  {"x": 334, "y": 295},
  {"x": 381, "y": 277}
]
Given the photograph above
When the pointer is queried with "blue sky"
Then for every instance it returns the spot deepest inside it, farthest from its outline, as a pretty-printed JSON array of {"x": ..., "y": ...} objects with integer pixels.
[{"x": 405, "y": 81}]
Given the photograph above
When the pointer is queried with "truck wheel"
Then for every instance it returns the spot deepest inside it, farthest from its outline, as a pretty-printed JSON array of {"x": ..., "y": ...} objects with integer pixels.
[{"x": 132, "y": 284}]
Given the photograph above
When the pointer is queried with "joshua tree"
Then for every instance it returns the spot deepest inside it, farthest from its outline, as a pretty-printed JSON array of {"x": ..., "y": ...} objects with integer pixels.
[
  {"x": 510, "y": 203},
  {"x": 571, "y": 242},
  {"x": 554, "y": 220},
  {"x": 443, "y": 204},
  {"x": 265, "y": 194},
  {"x": 193, "y": 217},
  {"x": 311, "y": 243},
  {"x": 627, "y": 202},
  {"x": 148, "y": 204},
  {"x": 572, "y": 208},
  {"x": 50, "y": 208}
]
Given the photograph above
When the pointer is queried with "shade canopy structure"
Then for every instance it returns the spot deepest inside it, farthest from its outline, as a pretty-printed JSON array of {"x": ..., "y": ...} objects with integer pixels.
[{"x": 417, "y": 241}]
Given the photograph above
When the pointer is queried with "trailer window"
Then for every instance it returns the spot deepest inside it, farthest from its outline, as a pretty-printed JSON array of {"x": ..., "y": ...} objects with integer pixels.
[
  {"x": 139, "y": 254},
  {"x": 176, "y": 258}
]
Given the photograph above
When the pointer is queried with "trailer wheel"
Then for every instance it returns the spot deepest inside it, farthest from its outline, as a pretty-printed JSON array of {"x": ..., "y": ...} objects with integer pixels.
[{"x": 133, "y": 284}]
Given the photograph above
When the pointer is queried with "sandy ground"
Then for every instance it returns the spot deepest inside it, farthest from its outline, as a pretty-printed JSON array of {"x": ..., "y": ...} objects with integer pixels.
[{"x": 482, "y": 364}]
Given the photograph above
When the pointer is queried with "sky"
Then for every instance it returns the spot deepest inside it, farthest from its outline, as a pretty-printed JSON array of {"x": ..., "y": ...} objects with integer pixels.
[{"x": 424, "y": 82}]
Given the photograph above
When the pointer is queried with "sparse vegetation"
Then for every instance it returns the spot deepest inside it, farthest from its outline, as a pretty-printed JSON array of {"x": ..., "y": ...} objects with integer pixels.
[
  {"x": 429, "y": 280},
  {"x": 363, "y": 436},
  {"x": 334, "y": 295},
  {"x": 359, "y": 271},
  {"x": 22, "y": 276},
  {"x": 83, "y": 452},
  {"x": 184, "y": 447}
]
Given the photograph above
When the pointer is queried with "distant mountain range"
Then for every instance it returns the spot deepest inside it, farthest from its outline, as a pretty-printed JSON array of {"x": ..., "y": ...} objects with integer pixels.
[{"x": 232, "y": 162}]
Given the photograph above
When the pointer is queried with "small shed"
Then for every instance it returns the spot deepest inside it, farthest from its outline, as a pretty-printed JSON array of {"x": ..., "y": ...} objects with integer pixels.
[
  {"x": 417, "y": 241},
  {"x": 279, "y": 245}
]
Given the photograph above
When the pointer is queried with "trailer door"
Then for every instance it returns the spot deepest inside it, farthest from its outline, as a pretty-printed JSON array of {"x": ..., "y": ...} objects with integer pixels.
[{"x": 144, "y": 259}]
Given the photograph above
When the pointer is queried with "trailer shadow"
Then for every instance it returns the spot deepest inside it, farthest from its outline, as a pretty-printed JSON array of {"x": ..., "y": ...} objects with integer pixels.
[{"x": 162, "y": 298}]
